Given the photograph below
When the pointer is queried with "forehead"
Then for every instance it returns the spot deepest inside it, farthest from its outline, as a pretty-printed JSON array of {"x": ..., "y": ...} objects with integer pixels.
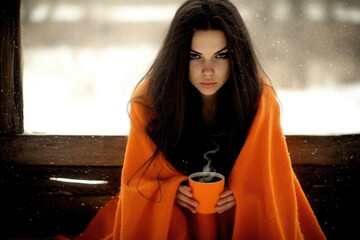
[{"x": 208, "y": 41}]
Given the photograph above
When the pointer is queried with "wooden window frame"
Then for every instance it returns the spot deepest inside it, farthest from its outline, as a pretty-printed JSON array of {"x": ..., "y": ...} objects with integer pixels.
[{"x": 17, "y": 147}]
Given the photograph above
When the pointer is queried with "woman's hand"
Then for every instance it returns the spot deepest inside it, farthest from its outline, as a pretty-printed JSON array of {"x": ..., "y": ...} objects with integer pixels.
[
  {"x": 184, "y": 198},
  {"x": 226, "y": 201}
]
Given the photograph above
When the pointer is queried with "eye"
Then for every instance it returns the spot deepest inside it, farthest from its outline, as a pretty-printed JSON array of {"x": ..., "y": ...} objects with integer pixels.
[
  {"x": 222, "y": 55},
  {"x": 194, "y": 55}
]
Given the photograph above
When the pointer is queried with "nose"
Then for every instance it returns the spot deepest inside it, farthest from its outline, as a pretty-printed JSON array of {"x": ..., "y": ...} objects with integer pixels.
[{"x": 207, "y": 69}]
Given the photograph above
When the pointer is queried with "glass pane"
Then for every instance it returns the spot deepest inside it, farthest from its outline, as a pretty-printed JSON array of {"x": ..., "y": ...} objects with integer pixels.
[{"x": 83, "y": 58}]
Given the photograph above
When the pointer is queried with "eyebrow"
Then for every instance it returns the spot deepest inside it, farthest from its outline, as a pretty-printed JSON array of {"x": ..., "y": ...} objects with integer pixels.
[{"x": 224, "y": 48}]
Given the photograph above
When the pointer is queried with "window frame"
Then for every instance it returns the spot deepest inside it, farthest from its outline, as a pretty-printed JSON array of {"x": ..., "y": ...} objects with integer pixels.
[{"x": 84, "y": 150}]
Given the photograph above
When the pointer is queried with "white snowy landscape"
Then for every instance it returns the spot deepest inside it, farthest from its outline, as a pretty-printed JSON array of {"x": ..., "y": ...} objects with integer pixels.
[
  {"x": 82, "y": 60},
  {"x": 89, "y": 95}
]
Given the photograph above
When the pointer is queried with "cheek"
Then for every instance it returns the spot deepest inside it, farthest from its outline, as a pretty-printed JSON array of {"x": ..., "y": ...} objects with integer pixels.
[
  {"x": 192, "y": 71},
  {"x": 225, "y": 71}
]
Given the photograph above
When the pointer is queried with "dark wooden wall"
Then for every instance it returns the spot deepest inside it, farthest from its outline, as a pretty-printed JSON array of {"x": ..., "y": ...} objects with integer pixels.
[
  {"x": 36, "y": 206},
  {"x": 11, "y": 102}
]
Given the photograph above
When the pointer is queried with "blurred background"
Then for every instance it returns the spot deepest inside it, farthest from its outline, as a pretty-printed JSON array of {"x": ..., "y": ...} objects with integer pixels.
[{"x": 83, "y": 58}]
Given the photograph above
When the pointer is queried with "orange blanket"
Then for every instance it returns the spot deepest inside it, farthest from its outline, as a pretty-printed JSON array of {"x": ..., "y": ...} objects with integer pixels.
[{"x": 270, "y": 201}]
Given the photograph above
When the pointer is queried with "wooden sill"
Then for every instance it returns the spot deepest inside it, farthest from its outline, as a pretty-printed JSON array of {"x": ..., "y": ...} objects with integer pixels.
[{"x": 61, "y": 150}]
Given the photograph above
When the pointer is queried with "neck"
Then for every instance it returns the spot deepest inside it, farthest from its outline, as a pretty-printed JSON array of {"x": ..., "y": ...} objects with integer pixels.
[{"x": 209, "y": 110}]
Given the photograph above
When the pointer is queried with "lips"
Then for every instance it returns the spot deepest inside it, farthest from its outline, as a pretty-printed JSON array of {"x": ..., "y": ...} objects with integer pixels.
[{"x": 208, "y": 83}]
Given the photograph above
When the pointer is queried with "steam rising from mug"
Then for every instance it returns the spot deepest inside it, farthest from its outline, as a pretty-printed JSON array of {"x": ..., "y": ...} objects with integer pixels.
[{"x": 208, "y": 167}]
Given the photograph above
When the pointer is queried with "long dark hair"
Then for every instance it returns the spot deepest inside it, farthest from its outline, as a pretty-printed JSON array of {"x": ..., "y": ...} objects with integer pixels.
[{"x": 168, "y": 84}]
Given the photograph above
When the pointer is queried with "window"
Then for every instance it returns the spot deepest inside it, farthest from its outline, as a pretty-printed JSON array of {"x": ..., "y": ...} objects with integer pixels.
[
  {"x": 317, "y": 65},
  {"x": 311, "y": 52},
  {"x": 85, "y": 57}
]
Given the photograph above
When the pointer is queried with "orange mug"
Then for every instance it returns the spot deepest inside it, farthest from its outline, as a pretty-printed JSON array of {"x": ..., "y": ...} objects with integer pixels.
[{"x": 206, "y": 188}]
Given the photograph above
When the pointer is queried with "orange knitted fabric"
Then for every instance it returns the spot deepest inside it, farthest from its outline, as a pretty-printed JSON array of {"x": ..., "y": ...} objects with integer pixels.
[{"x": 270, "y": 203}]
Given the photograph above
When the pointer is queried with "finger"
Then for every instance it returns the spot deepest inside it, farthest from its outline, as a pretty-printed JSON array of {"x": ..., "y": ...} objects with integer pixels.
[
  {"x": 185, "y": 205},
  {"x": 225, "y": 206},
  {"x": 185, "y": 190},
  {"x": 225, "y": 200},
  {"x": 186, "y": 199},
  {"x": 226, "y": 193}
]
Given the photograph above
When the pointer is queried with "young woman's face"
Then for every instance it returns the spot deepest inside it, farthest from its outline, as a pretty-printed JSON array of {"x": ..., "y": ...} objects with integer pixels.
[{"x": 209, "y": 61}]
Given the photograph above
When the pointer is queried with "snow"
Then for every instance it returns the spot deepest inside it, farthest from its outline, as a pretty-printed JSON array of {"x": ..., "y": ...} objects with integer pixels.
[
  {"x": 77, "y": 93},
  {"x": 321, "y": 110}
]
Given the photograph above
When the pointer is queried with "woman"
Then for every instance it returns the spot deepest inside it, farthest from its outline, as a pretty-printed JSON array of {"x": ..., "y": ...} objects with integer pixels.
[{"x": 205, "y": 102}]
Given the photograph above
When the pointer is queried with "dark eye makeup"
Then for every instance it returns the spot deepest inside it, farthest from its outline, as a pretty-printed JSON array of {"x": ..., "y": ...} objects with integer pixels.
[
  {"x": 222, "y": 54},
  {"x": 194, "y": 55}
]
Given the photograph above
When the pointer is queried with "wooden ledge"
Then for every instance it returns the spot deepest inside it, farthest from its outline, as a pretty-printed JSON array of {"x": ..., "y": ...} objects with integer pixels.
[{"x": 60, "y": 150}]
